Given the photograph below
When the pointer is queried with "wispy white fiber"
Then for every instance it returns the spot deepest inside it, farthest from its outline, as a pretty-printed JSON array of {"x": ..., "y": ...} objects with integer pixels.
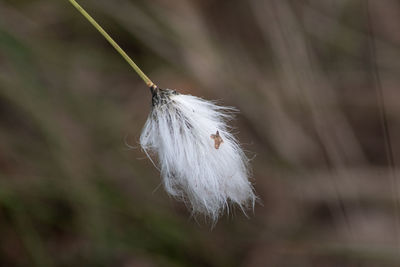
[{"x": 200, "y": 161}]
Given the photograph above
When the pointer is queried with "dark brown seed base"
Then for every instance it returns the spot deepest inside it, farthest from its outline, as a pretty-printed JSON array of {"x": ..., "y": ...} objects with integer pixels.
[{"x": 161, "y": 96}]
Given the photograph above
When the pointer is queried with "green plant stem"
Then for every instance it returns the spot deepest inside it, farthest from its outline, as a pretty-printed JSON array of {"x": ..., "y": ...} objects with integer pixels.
[{"x": 113, "y": 43}]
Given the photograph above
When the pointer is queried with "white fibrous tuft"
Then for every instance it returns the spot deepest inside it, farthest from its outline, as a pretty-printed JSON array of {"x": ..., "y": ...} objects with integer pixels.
[{"x": 200, "y": 161}]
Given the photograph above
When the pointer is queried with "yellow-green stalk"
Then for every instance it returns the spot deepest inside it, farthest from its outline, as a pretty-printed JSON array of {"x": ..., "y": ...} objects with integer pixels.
[{"x": 114, "y": 44}]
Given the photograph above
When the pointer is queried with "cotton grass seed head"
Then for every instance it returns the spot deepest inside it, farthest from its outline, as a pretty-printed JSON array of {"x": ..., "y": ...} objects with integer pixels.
[{"x": 200, "y": 161}]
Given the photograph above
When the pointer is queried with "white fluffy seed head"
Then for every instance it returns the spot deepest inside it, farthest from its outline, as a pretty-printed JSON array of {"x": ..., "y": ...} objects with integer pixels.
[{"x": 200, "y": 161}]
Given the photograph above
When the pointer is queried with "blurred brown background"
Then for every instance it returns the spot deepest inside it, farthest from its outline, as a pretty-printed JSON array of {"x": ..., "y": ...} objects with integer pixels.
[{"x": 308, "y": 77}]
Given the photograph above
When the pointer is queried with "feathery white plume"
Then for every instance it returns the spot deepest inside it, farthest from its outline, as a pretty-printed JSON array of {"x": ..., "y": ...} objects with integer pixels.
[{"x": 200, "y": 160}]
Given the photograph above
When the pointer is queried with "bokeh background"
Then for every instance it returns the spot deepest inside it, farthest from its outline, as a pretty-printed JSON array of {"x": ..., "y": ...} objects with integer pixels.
[{"x": 315, "y": 80}]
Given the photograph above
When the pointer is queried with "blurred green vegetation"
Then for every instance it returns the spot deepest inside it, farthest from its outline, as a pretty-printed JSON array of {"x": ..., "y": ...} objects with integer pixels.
[{"x": 76, "y": 190}]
